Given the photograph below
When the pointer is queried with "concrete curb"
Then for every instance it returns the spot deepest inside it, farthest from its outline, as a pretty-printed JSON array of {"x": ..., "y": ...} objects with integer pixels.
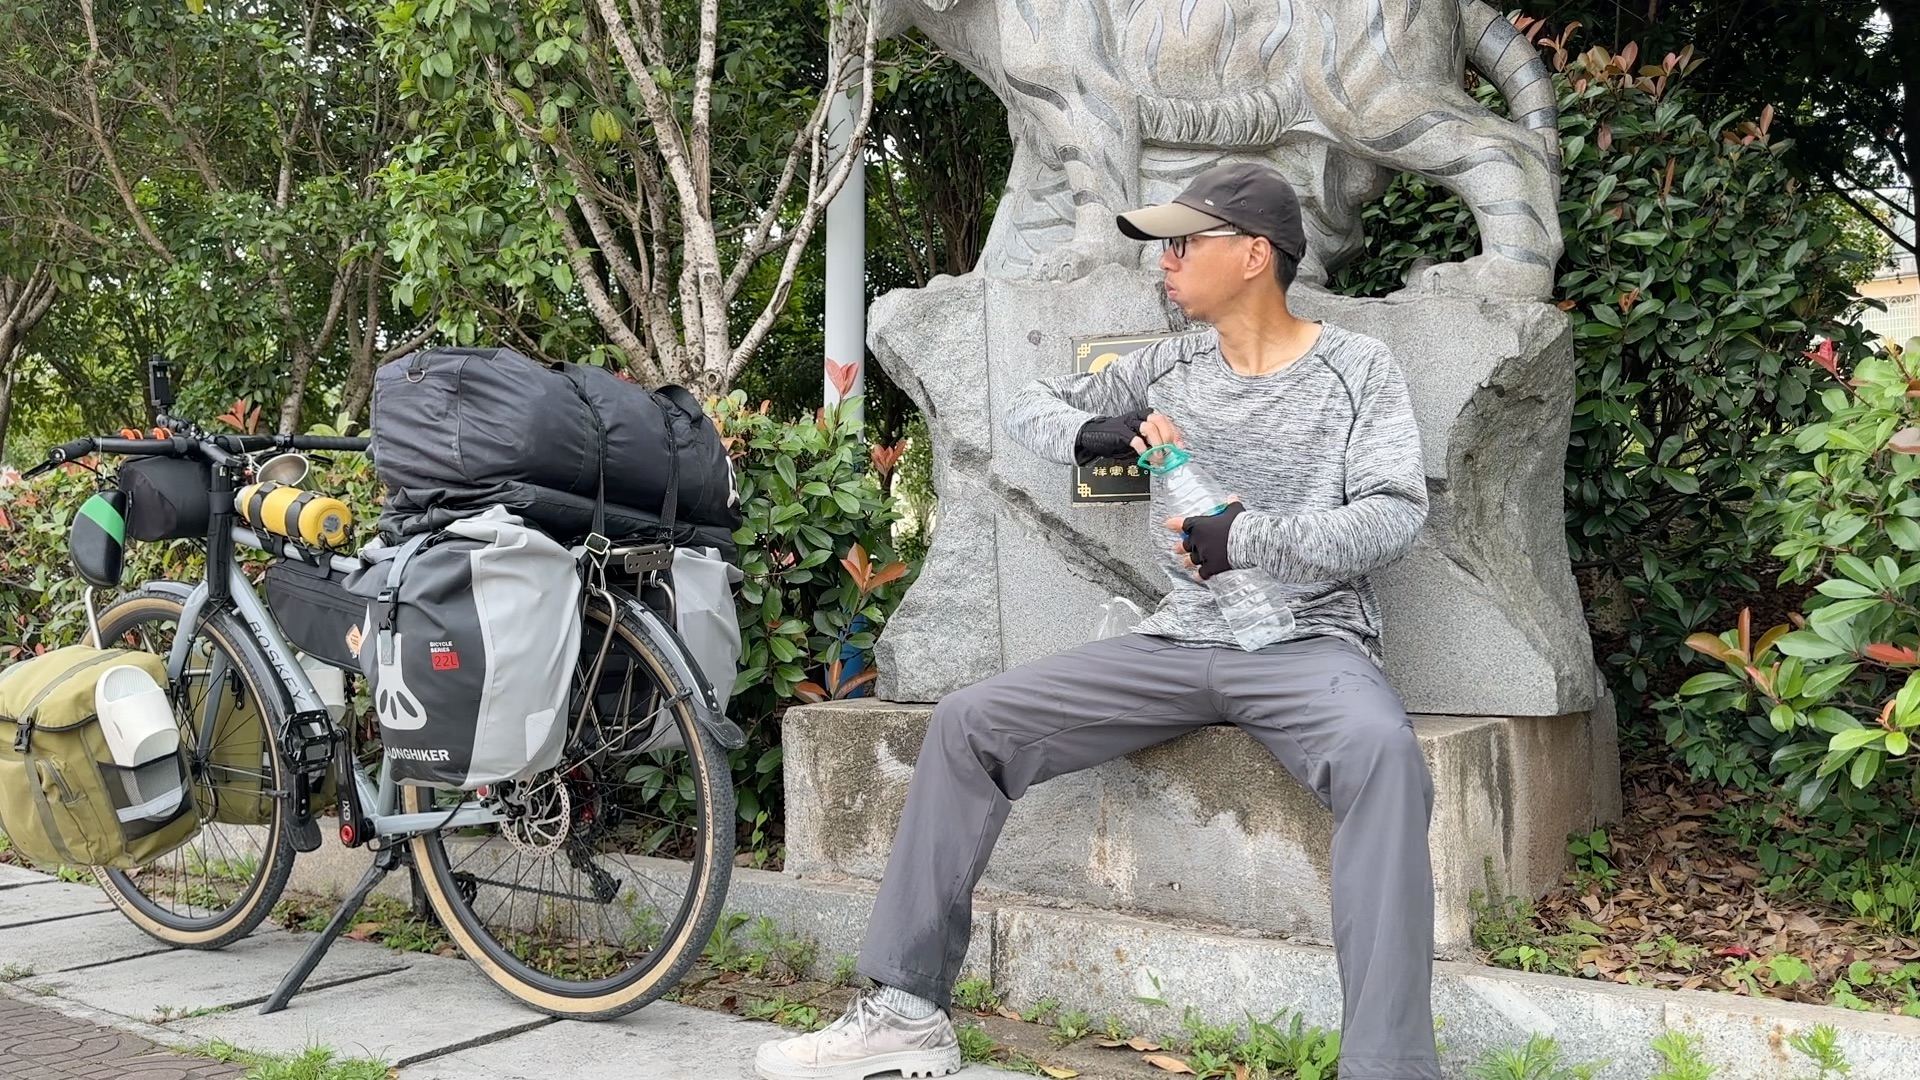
[{"x": 1104, "y": 963}]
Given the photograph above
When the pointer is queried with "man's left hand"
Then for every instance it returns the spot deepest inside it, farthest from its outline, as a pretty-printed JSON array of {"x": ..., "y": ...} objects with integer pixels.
[{"x": 1203, "y": 540}]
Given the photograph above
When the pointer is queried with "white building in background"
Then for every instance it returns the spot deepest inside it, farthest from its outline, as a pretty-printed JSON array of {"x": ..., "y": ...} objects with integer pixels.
[{"x": 1897, "y": 285}]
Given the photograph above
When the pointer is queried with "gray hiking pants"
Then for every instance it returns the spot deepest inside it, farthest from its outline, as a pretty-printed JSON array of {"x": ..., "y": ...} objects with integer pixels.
[{"x": 1318, "y": 704}]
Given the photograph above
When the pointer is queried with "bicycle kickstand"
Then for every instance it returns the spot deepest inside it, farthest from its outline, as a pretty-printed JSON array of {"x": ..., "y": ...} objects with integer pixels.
[{"x": 385, "y": 861}]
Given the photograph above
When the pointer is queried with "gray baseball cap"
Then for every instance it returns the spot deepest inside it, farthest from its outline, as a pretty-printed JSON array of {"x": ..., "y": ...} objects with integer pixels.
[{"x": 1252, "y": 198}]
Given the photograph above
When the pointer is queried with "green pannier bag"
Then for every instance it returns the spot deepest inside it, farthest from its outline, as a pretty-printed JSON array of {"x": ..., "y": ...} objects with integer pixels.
[
  {"x": 238, "y": 773},
  {"x": 63, "y": 800}
]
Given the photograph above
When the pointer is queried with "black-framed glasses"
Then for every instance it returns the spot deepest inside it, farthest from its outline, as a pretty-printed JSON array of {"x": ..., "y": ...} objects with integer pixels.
[{"x": 1178, "y": 244}]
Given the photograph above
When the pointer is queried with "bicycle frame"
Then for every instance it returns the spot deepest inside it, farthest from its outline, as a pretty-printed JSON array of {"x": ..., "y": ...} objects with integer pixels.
[{"x": 381, "y": 798}]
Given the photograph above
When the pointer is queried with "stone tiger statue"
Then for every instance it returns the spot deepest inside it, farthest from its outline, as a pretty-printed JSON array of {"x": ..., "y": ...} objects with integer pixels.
[{"x": 1338, "y": 94}]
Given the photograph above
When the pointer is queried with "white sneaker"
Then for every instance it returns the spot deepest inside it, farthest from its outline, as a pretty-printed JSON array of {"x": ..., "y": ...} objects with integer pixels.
[{"x": 869, "y": 1039}]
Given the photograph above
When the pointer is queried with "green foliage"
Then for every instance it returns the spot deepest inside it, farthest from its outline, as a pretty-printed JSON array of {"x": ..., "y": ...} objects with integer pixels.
[
  {"x": 1680, "y": 1052},
  {"x": 976, "y": 994},
  {"x": 1537, "y": 1059},
  {"x": 1842, "y": 693},
  {"x": 1591, "y": 866},
  {"x": 1696, "y": 268},
  {"x": 975, "y": 1044},
  {"x": 810, "y": 500},
  {"x": 313, "y": 1063}
]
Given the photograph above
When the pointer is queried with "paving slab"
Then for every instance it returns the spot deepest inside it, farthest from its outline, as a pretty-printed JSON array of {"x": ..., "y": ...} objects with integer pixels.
[
  {"x": 663, "y": 1041},
  {"x": 43, "y": 901},
  {"x": 65, "y": 944},
  {"x": 238, "y": 976},
  {"x": 433, "y": 1007},
  {"x": 45, "y": 1044},
  {"x": 12, "y": 876}
]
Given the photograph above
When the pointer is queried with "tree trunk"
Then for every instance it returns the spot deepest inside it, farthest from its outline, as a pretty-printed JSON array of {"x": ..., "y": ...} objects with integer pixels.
[
  {"x": 6, "y": 408},
  {"x": 22, "y": 305},
  {"x": 296, "y": 391},
  {"x": 1904, "y": 20}
]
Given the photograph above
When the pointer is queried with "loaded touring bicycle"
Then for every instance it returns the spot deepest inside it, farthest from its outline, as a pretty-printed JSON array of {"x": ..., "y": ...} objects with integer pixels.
[{"x": 564, "y": 882}]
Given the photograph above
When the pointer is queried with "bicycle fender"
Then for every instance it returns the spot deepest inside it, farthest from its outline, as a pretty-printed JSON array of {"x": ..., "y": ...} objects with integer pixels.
[{"x": 706, "y": 708}]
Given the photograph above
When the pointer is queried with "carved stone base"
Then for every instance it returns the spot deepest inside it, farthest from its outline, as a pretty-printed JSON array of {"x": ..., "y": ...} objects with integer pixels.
[{"x": 1208, "y": 827}]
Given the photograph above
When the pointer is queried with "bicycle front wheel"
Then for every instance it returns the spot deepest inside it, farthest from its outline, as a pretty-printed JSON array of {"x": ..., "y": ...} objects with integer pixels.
[
  {"x": 218, "y": 887},
  {"x": 603, "y": 884}
]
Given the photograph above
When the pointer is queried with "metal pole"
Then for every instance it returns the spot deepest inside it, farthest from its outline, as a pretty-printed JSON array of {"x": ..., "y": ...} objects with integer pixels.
[{"x": 846, "y": 314}]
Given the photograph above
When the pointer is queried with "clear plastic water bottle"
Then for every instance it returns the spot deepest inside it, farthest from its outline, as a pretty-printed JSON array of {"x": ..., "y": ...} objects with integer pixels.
[{"x": 1249, "y": 600}]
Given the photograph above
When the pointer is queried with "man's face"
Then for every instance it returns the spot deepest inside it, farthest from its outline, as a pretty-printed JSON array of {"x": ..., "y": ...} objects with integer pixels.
[{"x": 1207, "y": 277}]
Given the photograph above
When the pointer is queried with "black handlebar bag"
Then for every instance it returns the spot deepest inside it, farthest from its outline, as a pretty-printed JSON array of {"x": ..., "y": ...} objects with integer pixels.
[{"x": 167, "y": 498}]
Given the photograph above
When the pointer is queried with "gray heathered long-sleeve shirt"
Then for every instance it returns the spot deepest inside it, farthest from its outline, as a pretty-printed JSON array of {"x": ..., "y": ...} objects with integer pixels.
[{"x": 1323, "y": 452}]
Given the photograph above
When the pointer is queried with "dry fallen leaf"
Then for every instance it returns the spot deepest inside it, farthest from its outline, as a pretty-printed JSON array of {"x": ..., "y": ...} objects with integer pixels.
[
  {"x": 1170, "y": 1064},
  {"x": 1139, "y": 1042},
  {"x": 1058, "y": 1073},
  {"x": 1008, "y": 1014}
]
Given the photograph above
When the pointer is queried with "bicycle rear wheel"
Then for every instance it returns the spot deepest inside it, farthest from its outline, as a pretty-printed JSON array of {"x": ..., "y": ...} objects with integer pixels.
[
  {"x": 603, "y": 885},
  {"x": 219, "y": 886}
]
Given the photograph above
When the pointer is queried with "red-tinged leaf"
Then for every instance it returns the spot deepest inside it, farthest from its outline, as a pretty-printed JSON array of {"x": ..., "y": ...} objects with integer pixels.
[
  {"x": 810, "y": 692},
  {"x": 1767, "y": 639},
  {"x": 1736, "y": 950},
  {"x": 858, "y": 571},
  {"x": 1746, "y": 631},
  {"x": 1823, "y": 356},
  {"x": 1760, "y": 679},
  {"x": 1886, "y": 714},
  {"x": 1766, "y": 119},
  {"x": 1891, "y": 654},
  {"x": 886, "y": 457},
  {"x": 892, "y": 572},
  {"x": 1905, "y": 441},
  {"x": 842, "y": 376},
  {"x": 833, "y": 675},
  {"x": 1604, "y": 140},
  {"x": 1712, "y": 646}
]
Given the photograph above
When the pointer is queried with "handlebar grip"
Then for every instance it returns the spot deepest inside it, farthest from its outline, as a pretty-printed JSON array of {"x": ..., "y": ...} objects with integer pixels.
[{"x": 68, "y": 451}]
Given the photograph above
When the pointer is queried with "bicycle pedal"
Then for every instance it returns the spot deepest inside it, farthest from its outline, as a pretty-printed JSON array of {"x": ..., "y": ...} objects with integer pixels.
[{"x": 306, "y": 836}]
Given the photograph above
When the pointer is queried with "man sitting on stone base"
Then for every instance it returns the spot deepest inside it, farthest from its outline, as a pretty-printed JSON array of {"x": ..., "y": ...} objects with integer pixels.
[{"x": 1311, "y": 425}]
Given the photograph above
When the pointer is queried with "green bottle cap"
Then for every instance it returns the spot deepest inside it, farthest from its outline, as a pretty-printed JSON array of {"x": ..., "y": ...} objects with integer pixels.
[{"x": 1163, "y": 459}]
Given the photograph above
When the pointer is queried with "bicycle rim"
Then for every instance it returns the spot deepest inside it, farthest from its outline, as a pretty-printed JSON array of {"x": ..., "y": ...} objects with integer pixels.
[
  {"x": 220, "y": 885},
  {"x": 602, "y": 887}
]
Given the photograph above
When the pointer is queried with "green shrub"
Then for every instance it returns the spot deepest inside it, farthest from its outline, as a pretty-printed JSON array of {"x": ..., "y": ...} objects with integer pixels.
[
  {"x": 821, "y": 577},
  {"x": 1841, "y": 693},
  {"x": 1696, "y": 268}
]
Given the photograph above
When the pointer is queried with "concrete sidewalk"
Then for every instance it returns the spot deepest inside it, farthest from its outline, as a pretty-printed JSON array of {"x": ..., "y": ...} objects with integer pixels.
[{"x": 90, "y": 987}]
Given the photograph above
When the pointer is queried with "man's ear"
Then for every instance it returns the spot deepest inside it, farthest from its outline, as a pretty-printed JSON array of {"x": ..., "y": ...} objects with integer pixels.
[{"x": 1259, "y": 259}]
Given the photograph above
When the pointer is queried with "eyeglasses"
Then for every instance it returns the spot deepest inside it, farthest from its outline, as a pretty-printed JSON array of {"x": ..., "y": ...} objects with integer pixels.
[{"x": 1178, "y": 244}]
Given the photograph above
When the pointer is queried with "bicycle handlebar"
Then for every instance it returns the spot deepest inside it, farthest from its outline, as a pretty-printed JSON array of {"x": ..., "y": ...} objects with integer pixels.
[{"x": 217, "y": 449}]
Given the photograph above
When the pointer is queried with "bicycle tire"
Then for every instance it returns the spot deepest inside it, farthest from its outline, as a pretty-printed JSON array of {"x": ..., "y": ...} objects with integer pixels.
[
  {"x": 269, "y": 846},
  {"x": 680, "y": 942}
]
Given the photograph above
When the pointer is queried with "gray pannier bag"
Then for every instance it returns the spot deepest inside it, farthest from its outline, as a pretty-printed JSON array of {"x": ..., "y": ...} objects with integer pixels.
[
  {"x": 708, "y": 625},
  {"x": 472, "y": 636}
]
